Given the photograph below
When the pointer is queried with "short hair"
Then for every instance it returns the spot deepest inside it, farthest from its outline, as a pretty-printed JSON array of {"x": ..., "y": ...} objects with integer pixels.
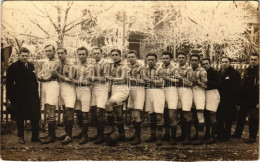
[
  {"x": 97, "y": 48},
  {"x": 64, "y": 49},
  {"x": 195, "y": 55},
  {"x": 83, "y": 48},
  {"x": 206, "y": 59},
  {"x": 49, "y": 45},
  {"x": 254, "y": 54},
  {"x": 182, "y": 53},
  {"x": 25, "y": 50},
  {"x": 133, "y": 51},
  {"x": 151, "y": 54},
  {"x": 167, "y": 53},
  {"x": 229, "y": 59},
  {"x": 116, "y": 50}
]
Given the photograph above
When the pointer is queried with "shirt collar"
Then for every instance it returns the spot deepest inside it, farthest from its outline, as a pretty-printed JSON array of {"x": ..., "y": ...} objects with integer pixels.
[
  {"x": 120, "y": 63},
  {"x": 169, "y": 66},
  {"x": 183, "y": 66},
  {"x": 155, "y": 67},
  {"x": 135, "y": 65},
  {"x": 100, "y": 61}
]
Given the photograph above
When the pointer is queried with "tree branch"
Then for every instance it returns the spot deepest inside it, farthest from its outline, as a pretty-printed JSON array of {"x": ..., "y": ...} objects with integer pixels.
[
  {"x": 54, "y": 25},
  {"x": 39, "y": 26},
  {"x": 75, "y": 25},
  {"x": 66, "y": 16}
]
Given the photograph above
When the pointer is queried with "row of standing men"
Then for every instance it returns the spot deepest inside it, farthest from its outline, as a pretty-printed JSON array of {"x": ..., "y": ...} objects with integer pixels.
[{"x": 164, "y": 92}]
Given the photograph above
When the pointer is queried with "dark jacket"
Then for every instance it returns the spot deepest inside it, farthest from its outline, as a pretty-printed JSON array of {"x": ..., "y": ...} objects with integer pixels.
[
  {"x": 213, "y": 78},
  {"x": 22, "y": 91},
  {"x": 249, "y": 92},
  {"x": 230, "y": 84}
]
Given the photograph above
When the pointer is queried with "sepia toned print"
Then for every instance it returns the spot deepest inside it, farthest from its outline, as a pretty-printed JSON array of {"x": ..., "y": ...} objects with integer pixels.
[{"x": 130, "y": 80}]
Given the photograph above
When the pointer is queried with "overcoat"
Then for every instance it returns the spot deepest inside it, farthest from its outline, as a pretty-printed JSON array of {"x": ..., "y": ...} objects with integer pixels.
[
  {"x": 230, "y": 86},
  {"x": 22, "y": 91}
]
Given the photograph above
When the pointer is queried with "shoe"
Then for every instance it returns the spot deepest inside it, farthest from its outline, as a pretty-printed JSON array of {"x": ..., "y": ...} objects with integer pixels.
[
  {"x": 83, "y": 140},
  {"x": 35, "y": 139},
  {"x": 67, "y": 140},
  {"x": 186, "y": 142},
  {"x": 100, "y": 140},
  {"x": 78, "y": 136},
  {"x": 62, "y": 137},
  {"x": 250, "y": 140},
  {"x": 49, "y": 139},
  {"x": 173, "y": 141},
  {"x": 166, "y": 137},
  {"x": 43, "y": 137},
  {"x": 206, "y": 137},
  {"x": 21, "y": 140},
  {"x": 195, "y": 137},
  {"x": 121, "y": 137},
  {"x": 235, "y": 136},
  {"x": 94, "y": 138},
  {"x": 152, "y": 138},
  {"x": 136, "y": 141},
  {"x": 211, "y": 141},
  {"x": 131, "y": 138},
  {"x": 220, "y": 139},
  {"x": 180, "y": 138},
  {"x": 159, "y": 142},
  {"x": 109, "y": 130},
  {"x": 199, "y": 141}
]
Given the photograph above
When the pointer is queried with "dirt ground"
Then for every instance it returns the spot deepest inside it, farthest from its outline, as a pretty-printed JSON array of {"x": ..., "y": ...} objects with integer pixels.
[{"x": 234, "y": 149}]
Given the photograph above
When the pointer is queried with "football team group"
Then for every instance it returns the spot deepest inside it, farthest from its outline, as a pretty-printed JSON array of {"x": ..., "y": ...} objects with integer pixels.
[{"x": 175, "y": 97}]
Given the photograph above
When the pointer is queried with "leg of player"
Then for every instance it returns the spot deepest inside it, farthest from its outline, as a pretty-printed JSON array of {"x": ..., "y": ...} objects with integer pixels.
[
  {"x": 187, "y": 122},
  {"x": 152, "y": 137},
  {"x": 206, "y": 114},
  {"x": 110, "y": 117},
  {"x": 213, "y": 125},
  {"x": 51, "y": 124},
  {"x": 166, "y": 136},
  {"x": 137, "y": 127},
  {"x": 200, "y": 128},
  {"x": 85, "y": 127},
  {"x": 80, "y": 123},
  {"x": 159, "y": 128},
  {"x": 182, "y": 123},
  {"x": 93, "y": 121},
  {"x": 196, "y": 124},
  {"x": 100, "y": 125},
  {"x": 120, "y": 122},
  {"x": 69, "y": 115},
  {"x": 173, "y": 126}
]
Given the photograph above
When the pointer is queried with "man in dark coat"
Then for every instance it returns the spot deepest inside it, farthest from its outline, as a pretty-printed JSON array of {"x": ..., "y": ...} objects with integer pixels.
[
  {"x": 229, "y": 90},
  {"x": 22, "y": 92},
  {"x": 249, "y": 101}
]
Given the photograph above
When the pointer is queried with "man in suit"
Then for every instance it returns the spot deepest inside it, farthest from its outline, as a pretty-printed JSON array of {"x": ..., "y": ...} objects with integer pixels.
[
  {"x": 22, "y": 92},
  {"x": 249, "y": 101},
  {"x": 229, "y": 90}
]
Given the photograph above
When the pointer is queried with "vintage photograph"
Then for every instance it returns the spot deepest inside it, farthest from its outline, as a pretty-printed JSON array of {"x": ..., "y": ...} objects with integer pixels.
[{"x": 130, "y": 80}]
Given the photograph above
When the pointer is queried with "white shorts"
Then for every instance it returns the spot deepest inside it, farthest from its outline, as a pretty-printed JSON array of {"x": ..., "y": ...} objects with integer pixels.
[
  {"x": 83, "y": 98},
  {"x": 99, "y": 95},
  {"x": 136, "y": 98},
  {"x": 199, "y": 97},
  {"x": 212, "y": 100},
  {"x": 154, "y": 101},
  {"x": 185, "y": 98},
  {"x": 119, "y": 94},
  {"x": 50, "y": 92},
  {"x": 68, "y": 94},
  {"x": 171, "y": 97}
]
